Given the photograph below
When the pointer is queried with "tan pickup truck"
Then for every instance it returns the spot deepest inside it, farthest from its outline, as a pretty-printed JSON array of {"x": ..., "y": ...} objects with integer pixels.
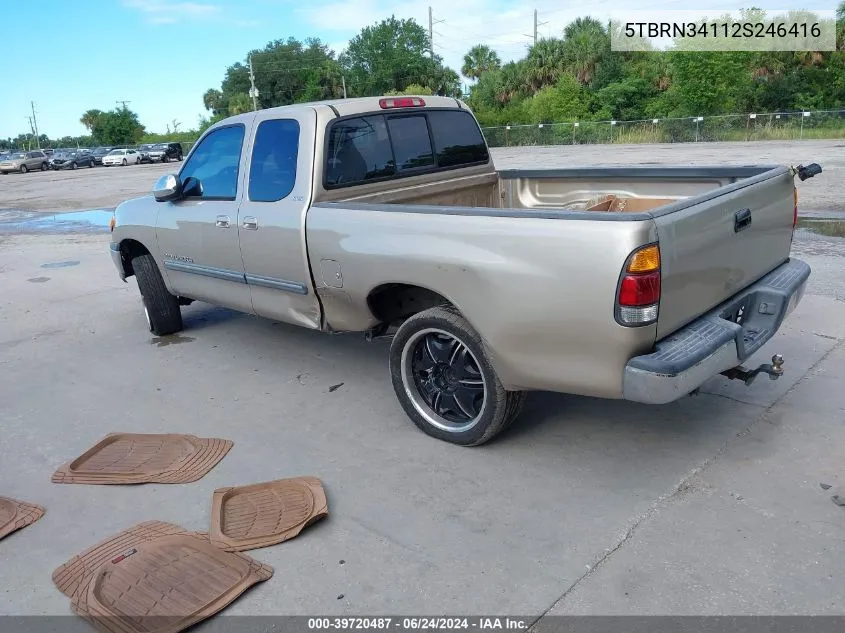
[{"x": 387, "y": 216}]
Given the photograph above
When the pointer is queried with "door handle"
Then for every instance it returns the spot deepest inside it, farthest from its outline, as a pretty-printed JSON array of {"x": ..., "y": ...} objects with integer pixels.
[
  {"x": 742, "y": 220},
  {"x": 250, "y": 223},
  {"x": 222, "y": 221}
]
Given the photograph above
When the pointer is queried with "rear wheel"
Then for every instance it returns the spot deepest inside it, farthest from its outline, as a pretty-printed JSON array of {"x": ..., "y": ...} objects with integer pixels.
[
  {"x": 161, "y": 308},
  {"x": 445, "y": 381},
  {"x": 73, "y": 165},
  {"x": 24, "y": 169}
]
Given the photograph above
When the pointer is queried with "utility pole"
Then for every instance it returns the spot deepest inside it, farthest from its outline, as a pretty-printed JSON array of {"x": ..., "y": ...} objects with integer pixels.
[
  {"x": 122, "y": 102},
  {"x": 431, "y": 23},
  {"x": 253, "y": 92},
  {"x": 536, "y": 25},
  {"x": 32, "y": 132},
  {"x": 35, "y": 125},
  {"x": 343, "y": 78}
]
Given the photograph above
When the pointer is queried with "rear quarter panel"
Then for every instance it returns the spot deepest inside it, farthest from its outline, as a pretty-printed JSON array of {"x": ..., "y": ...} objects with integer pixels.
[{"x": 539, "y": 291}]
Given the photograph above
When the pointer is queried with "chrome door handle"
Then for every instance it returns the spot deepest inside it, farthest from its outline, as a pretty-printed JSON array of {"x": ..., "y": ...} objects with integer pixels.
[
  {"x": 250, "y": 223},
  {"x": 223, "y": 221}
]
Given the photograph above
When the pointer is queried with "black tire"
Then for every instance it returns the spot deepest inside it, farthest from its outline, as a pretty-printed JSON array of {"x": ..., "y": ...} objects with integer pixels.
[
  {"x": 180, "y": 158},
  {"x": 165, "y": 159},
  {"x": 44, "y": 166},
  {"x": 24, "y": 169},
  {"x": 487, "y": 416},
  {"x": 90, "y": 164},
  {"x": 161, "y": 308},
  {"x": 73, "y": 166},
  {"x": 125, "y": 163}
]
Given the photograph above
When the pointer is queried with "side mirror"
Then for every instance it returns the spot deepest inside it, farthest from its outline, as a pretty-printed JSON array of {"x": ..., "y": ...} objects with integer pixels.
[{"x": 168, "y": 188}]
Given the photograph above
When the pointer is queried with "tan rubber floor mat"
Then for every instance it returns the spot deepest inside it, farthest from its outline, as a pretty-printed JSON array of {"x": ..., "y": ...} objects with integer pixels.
[
  {"x": 15, "y": 515},
  {"x": 265, "y": 514},
  {"x": 155, "y": 577},
  {"x": 135, "y": 458}
]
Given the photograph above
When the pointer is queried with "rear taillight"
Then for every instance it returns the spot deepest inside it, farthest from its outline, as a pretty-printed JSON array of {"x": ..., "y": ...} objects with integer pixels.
[
  {"x": 794, "y": 207},
  {"x": 639, "y": 288},
  {"x": 401, "y": 102}
]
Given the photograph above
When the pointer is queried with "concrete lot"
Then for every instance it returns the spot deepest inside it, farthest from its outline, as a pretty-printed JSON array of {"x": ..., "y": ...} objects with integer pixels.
[{"x": 710, "y": 505}]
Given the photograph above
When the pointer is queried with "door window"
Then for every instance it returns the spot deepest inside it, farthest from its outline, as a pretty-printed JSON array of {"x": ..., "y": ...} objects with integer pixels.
[
  {"x": 213, "y": 166},
  {"x": 272, "y": 171}
]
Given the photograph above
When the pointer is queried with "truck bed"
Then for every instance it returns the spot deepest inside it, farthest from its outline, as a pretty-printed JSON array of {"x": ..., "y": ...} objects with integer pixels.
[{"x": 465, "y": 235}]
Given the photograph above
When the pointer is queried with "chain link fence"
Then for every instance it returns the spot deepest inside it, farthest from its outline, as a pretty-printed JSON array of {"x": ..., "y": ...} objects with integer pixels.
[{"x": 783, "y": 126}]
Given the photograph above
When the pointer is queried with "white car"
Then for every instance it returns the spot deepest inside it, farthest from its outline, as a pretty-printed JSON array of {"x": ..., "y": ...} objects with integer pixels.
[{"x": 122, "y": 157}]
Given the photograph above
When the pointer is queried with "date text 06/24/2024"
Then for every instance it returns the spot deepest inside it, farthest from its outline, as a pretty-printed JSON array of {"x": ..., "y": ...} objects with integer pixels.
[{"x": 418, "y": 623}]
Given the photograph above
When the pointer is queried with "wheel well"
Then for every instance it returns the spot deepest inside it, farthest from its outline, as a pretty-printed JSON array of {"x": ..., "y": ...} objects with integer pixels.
[
  {"x": 130, "y": 249},
  {"x": 395, "y": 302}
]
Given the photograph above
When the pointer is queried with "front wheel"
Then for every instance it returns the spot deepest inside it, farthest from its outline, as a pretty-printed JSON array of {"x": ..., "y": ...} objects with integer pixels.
[
  {"x": 161, "y": 308},
  {"x": 445, "y": 381},
  {"x": 124, "y": 162},
  {"x": 24, "y": 169},
  {"x": 44, "y": 166},
  {"x": 73, "y": 165}
]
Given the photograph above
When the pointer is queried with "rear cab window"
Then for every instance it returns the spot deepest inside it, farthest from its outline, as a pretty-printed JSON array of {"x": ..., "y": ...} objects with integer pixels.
[
  {"x": 272, "y": 170},
  {"x": 394, "y": 145}
]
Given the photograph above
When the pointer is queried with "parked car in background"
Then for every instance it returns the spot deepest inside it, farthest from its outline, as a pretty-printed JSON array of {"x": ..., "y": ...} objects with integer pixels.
[
  {"x": 71, "y": 160},
  {"x": 47, "y": 152},
  {"x": 122, "y": 157},
  {"x": 98, "y": 152},
  {"x": 24, "y": 162},
  {"x": 144, "y": 152},
  {"x": 165, "y": 152}
]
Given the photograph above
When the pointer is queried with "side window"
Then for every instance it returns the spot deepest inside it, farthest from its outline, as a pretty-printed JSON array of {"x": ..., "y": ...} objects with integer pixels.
[
  {"x": 214, "y": 164},
  {"x": 32, "y": 155},
  {"x": 359, "y": 150},
  {"x": 272, "y": 171},
  {"x": 457, "y": 139},
  {"x": 411, "y": 143}
]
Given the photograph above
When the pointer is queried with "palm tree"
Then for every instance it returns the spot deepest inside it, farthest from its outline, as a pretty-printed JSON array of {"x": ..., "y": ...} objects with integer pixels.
[
  {"x": 479, "y": 60},
  {"x": 585, "y": 41},
  {"x": 840, "y": 27},
  {"x": 90, "y": 118},
  {"x": 545, "y": 63},
  {"x": 240, "y": 103}
]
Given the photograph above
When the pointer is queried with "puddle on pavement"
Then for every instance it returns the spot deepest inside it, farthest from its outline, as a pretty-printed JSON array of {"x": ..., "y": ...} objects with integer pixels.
[
  {"x": 172, "y": 339},
  {"x": 20, "y": 221},
  {"x": 823, "y": 226},
  {"x": 72, "y": 262},
  {"x": 39, "y": 280}
]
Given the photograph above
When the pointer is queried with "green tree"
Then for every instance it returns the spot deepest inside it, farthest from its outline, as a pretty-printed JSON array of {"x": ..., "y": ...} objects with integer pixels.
[
  {"x": 214, "y": 101},
  {"x": 565, "y": 101},
  {"x": 479, "y": 60},
  {"x": 116, "y": 127},
  {"x": 240, "y": 103},
  {"x": 545, "y": 63},
  {"x": 90, "y": 119},
  {"x": 585, "y": 42},
  {"x": 392, "y": 55}
]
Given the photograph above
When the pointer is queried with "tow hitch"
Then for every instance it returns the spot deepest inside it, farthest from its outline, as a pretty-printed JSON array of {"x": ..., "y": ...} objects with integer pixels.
[{"x": 775, "y": 371}]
